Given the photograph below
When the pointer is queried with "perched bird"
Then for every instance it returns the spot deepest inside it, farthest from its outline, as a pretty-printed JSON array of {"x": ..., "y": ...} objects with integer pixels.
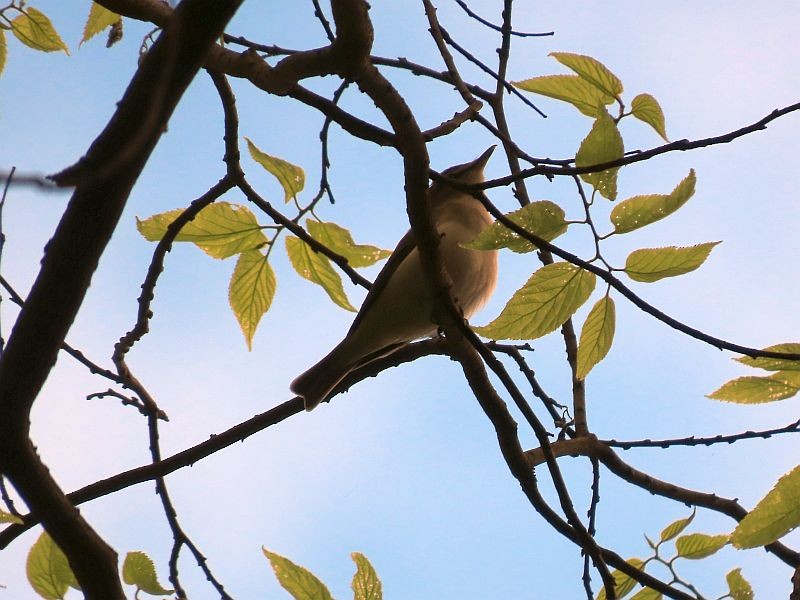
[{"x": 398, "y": 307}]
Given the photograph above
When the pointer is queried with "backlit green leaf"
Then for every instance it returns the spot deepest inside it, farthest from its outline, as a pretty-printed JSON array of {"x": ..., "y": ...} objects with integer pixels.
[
  {"x": 221, "y": 229},
  {"x": 317, "y": 268},
  {"x": 301, "y": 583},
  {"x": 338, "y": 239},
  {"x": 596, "y": 336},
  {"x": 48, "y": 570},
  {"x": 651, "y": 264},
  {"x": 623, "y": 584},
  {"x": 99, "y": 19},
  {"x": 639, "y": 211},
  {"x": 777, "y": 514},
  {"x": 646, "y": 108},
  {"x": 3, "y": 50},
  {"x": 550, "y": 297},
  {"x": 9, "y": 518},
  {"x": 291, "y": 177},
  {"x": 34, "y": 29},
  {"x": 592, "y": 70},
  {"x": 738, "y": 587},
  {"x": 543, "y": 218},
  {"x": 602, "y": 145},
  {"x": 647, "y": 594},
  {"x": 139, "y": 570},
  {"x": 366, "y": 585},
  {"x": 775, "y": 364},
  {"x": 251, "y": 291},
  {"x": 699, "y": 545},
  {"x": 675, "y": 528},
  {"x": 757, "y": 390},
  {"x": 584, "y": 96}
]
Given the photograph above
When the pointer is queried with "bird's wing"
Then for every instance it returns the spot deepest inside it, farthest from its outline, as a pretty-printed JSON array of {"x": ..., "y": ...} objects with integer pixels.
[{"x": 403, "y": 249}]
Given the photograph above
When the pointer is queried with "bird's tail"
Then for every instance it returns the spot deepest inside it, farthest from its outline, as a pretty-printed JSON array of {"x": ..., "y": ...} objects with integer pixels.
[{"x": 316, "y": 383}]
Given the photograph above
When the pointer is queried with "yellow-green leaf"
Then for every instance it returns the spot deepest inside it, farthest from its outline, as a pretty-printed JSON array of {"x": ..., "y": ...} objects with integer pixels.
[
  {"x": 738, "y": 586},
  {"x": 699, "y": 545},
  {"x": 676, "y": 527},
  {"x": 647, "y": 594},
  {"x": 596, "y": 336},
  {"x": 543, "y": 218},
  {"x": 623, "y": 584},
  {"x": 317, "y": 268},
  {"x": 602, "y": 145},
  {"x": 366, "y": 585},
  {"x": 550, "y": 297},
  {"x": 9, "y": 518},
  {"x": 301, "y": 583},
  {"x": 251, "y": 291},
  {"x": 646, "y": 108},
  {"x": 34, "y": 29},
  {"x": 139, "y": 570},
  {"x": 777, "y": 514},
  {"x": 651, "y": 264},
  {"x": 99, "y": 18},
  {"x": 48, "y": 570},
  {"x": 291, "y": 177},
  {"x": 3, "y": 50},
  {"x": 338, "y": 239},
  {"x": 592, "y": 70},
  {"x": 757, "y": 390},
  {"x": 221, "y": 229},
  {"x": 584, "y": 96},
  {"x": 775, "y": 364},
  {"x": 639, "y": 211}
]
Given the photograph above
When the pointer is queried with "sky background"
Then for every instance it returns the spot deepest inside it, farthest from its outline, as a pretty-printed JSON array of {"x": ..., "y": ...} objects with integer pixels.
[{"x": 405, "y": 467}]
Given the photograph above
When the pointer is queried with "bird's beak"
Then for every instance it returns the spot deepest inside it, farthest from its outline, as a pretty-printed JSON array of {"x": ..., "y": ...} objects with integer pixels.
[{"x": 481, "y": 161}]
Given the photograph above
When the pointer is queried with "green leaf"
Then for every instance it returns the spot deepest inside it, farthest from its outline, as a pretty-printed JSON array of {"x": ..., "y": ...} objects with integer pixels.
[
  {"x": 699, "y": 545},
  {"x": 34, "y": 29},
  {"x": 602, "y": 145},
  {"x": 777, "y": 514},
  {"x": 647, "y": 594},
  {"x": 676, "y": 527},
  {"x": 775, "y": 364},
  {"x": 99, "y": 19},
  {"x": 646, "y": 108},
  {"x": 48, "y": 570},
  {"x": 290, "y": 176},
  {"x": 651, "y": 264},
  {"x": 596, "y": 336},
  {"x": 738, "y": 587},
  {"x": 9, "y": 518},
  {"x": 570, "y": 88},
  {"x": 638, "y": 211},
  {"x": 301, "y": 583},
  {"x": 139, "y": 570},
  {"x": 221, "y": 229},
  {"x": 317, "y": 268},
  {"x": 623, "y": 584},
  {"x": 550, "y": 297},
  {"x": 591, "y": 70},
  {"x": 757, "y": 390},
  {"x": 543, "y": 218},
  {"x": 251, "y": 291},
  {"x": 3, "y": 50},
  {"x": 366, "y": 585},
  {"x": 338, "y": 239}
]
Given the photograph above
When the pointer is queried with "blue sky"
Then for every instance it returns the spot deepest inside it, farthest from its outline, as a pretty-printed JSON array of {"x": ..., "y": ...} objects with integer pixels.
[{"x": 405, "y": 467}]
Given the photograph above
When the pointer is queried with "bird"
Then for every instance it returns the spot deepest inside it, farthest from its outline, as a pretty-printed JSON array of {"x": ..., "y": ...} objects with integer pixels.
[{"x": 398, "y": 307}]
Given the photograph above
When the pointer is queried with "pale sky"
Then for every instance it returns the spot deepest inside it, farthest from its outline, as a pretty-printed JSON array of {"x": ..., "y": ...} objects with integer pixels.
[{"x": 405, "y": 467}]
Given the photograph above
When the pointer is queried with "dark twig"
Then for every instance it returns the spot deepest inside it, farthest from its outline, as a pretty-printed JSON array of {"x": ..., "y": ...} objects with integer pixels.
[
  {"x": 705, "y": 441},
  {"x": 323, "y": 20},
  {"x": 491, "y": 25}
]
